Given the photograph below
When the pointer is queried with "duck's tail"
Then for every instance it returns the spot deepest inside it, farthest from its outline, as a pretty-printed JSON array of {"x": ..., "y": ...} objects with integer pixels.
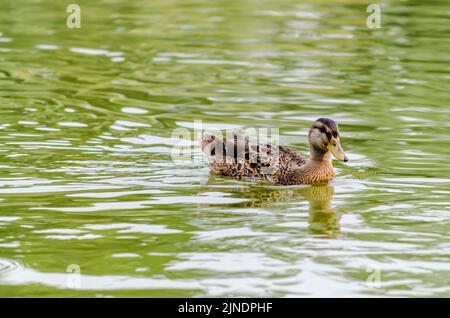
[{"x": 208, "y": 143}]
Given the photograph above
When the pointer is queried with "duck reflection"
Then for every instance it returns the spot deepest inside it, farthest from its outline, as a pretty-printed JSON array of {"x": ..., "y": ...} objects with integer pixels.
[{"x": 323, "y": 218}]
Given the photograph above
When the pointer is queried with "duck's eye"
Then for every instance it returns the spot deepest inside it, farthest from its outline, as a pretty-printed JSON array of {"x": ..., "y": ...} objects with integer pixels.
[{"x": 334, "y": 144}]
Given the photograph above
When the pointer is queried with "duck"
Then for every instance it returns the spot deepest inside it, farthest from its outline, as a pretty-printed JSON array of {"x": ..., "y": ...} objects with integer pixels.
[{"x": 239, "y": 158}]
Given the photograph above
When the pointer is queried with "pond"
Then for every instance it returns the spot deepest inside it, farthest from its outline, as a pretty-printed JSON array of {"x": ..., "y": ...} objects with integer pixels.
[{"x": 92, "y": 204}]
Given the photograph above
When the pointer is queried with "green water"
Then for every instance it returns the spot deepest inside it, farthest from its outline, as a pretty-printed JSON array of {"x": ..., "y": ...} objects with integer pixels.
[{"x": 86, "y": 175}]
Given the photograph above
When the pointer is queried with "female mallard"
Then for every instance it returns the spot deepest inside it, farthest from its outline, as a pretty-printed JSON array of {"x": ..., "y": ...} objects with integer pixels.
[{"x": 239, "y": 158}]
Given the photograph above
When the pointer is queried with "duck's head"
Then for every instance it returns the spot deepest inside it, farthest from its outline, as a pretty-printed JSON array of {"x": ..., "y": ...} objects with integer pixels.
[{"x": 324, "y": 137}]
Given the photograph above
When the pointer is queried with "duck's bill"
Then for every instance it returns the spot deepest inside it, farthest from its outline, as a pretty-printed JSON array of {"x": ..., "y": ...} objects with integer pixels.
[{"x": 337, "y": 151}]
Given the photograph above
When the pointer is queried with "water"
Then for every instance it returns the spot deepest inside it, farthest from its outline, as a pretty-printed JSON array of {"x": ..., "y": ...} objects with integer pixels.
[{"x": 87, "y": 181}]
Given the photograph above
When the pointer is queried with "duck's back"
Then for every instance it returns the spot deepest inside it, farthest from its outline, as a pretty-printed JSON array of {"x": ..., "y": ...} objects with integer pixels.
[{"x": 239, "y": 158}]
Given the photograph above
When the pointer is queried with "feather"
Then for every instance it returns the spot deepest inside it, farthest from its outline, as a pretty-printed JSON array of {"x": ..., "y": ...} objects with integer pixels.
[{"x": 239, "y": 158}]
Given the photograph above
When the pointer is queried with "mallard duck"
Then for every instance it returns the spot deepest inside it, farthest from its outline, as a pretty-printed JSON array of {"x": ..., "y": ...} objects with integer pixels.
[{"x": 239, "y": 158}]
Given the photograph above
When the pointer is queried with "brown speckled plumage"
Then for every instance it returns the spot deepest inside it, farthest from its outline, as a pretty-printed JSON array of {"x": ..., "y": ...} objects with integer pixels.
[{"x": 239, "y": 158}]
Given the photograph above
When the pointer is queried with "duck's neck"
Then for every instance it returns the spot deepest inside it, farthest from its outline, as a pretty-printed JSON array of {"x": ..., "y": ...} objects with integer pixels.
[
  {"x": 318, "y": 168},
  {"x": 319, "y": 157}
]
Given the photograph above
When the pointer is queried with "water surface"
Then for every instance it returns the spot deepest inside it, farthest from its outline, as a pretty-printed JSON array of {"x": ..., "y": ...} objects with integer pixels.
[{"x": 87, "y": 180}]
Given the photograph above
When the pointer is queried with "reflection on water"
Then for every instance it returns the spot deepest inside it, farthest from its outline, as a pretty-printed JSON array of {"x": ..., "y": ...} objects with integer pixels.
[
  {"x": 323, "y": 218},
  {"x": 86, "y": 122}
]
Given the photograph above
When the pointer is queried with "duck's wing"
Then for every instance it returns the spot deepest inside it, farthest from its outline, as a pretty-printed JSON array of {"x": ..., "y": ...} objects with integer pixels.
[
  {"x": 293, "y": 157},
  {"x": 285, "y": 153},
  {"x": 237, "y": 135},
  {"x": 238, "y": 157}
]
